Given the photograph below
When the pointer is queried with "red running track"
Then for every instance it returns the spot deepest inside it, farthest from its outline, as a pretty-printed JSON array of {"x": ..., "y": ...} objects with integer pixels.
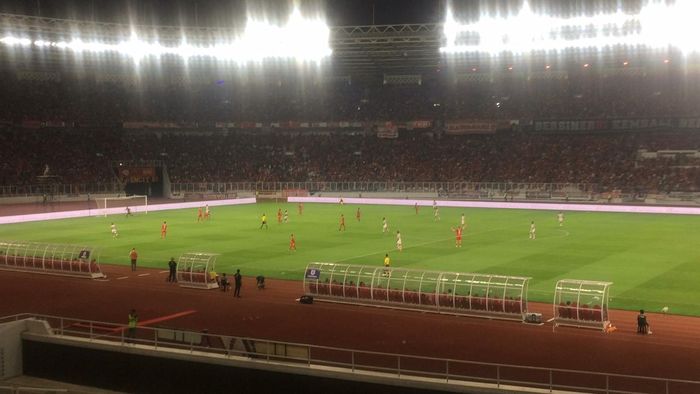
[{"x": 673, "y": 351}]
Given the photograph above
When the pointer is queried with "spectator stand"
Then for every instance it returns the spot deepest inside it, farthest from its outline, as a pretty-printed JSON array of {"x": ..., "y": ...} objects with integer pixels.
[
  {"x": 481, "y": 295},
  {"x": 197, "y": 270},
  {"x": 581, "y": 303},
  {"x": 56, "y": 259}
]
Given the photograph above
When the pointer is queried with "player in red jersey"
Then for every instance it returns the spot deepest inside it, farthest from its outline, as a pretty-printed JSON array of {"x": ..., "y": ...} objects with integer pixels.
[
  {"x": 358, "y": 215},
  {"x": 342, "y": 222},
  {"x": 458, "y": 236},
  {"x": 301, "y": 208},
  {"x": 292, "y": 243},
  {"x": 200, "y": 217},
  {"x": 279, "y": 215},
  {"x": 163, "y": 230}
]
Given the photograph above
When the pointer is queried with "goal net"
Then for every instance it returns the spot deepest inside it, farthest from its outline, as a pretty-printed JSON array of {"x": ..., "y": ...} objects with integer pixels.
[{"x": 119, "y": 205}]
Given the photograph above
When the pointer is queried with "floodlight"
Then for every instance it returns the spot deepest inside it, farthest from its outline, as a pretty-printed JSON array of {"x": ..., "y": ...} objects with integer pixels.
[
  {"x": 9, "y": 40},
  {"x": 300, "y": 39},
  {"x": 657, "y": 25}
]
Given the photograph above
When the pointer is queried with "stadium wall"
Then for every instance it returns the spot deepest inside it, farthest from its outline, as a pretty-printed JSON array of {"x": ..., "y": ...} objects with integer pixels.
[
  {"x": 134, "y": 369},
  {"x": 506, "y": 205},
  {"x": 119, "y": 210}
]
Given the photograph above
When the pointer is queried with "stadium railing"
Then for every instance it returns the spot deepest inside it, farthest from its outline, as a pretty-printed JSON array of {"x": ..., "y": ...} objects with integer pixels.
[
  {"x": 376, "y": 186},
  {"x": 352, "y": 361},
  {"x": 59, "y": 189}
]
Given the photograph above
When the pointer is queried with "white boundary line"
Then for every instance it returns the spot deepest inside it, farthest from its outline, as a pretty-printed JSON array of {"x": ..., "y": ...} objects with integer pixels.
[
  {"x": 375, "y": 201},
  {"x": 507, "y": 205},
  {"x": 112, "y": 211}
]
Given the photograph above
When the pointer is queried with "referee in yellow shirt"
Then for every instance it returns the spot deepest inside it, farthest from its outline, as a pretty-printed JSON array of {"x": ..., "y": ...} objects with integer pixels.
[{"x": 387, "y": 265}]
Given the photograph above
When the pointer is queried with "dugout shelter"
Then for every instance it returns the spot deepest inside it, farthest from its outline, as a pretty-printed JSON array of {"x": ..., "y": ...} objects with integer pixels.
[
  {"x": 581, "y": 303},
  {"x": 483, "y": 295},
  {"x": 49, "y": 258},
  {"x": 197, "y": 270}
]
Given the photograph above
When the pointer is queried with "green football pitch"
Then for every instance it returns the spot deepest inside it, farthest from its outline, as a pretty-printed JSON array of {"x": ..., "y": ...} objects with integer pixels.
[{"x": 653, "y": 260}]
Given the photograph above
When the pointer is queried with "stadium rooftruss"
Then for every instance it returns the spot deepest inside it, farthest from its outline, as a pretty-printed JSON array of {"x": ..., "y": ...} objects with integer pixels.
[
  {"x": 360, "y": 49},
  {"x": 456, "y": 293}
]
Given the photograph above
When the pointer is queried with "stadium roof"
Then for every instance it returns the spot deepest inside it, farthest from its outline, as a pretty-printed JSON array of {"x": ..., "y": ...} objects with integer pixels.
[{"x": 357, "y": 50}]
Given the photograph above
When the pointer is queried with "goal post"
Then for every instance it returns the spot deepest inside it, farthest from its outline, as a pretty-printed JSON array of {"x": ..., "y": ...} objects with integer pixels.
[{"x": 118, "y": 205}]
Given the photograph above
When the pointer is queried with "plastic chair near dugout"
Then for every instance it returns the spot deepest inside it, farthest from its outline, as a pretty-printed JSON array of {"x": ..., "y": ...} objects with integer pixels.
[
  {"x": 483, "y": 295},
  {"x": 55, "y": 259},
  {"x": 197, "y": 270}
]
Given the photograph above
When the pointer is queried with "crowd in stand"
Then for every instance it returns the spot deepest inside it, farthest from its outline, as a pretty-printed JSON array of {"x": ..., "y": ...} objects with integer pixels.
[
  {"x": 610, "y": 160},
  {"x": 85, "y": 154}
]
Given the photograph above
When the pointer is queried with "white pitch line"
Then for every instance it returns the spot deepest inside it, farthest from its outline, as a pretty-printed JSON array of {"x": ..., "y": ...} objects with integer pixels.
[
  {"x": 122, "y": 277},
  {"x": 142, "y": 274},
  {"x": 163, "y": 272}
]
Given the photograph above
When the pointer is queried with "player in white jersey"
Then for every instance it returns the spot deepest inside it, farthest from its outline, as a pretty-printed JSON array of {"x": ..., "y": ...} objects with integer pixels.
[
  {"x": 115, "y": 234},
  {"x": 399, "y": 243},
  {"x": 462, "y": 221},
  {"x": 533, "y": 230},
  {"x": 285, "y": 217},
  {"x": 207, "y": 213},
  {"x": 560, "y": 218},
  {"x": 436, "y": 214},
  {"x": 385, "y": 226}
]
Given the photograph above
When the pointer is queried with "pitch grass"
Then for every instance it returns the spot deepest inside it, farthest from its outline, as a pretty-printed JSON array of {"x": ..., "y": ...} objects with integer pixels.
[{"x": 653, "y": 260}]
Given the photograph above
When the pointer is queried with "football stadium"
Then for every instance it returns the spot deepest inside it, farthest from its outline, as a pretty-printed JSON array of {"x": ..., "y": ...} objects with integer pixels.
[{"x": 350, "y": 196}]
